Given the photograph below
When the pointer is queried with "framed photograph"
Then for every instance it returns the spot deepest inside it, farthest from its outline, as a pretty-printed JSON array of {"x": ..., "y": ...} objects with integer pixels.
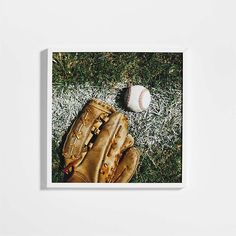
[{"x": 115, "y": 117}]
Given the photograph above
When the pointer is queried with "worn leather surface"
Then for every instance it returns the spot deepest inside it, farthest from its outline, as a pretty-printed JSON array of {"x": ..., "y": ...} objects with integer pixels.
[{"x": 98, "y": 147}]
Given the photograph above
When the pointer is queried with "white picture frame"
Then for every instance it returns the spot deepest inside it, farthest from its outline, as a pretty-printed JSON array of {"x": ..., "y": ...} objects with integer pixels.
[{"x": 108, "y": 48}]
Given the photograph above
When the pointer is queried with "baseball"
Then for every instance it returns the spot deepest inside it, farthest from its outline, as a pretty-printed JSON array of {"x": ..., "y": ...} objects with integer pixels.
[{"x": 138, "y": 98}]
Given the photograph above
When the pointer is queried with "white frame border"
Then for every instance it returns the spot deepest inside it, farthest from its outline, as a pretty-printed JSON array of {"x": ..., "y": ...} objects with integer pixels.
[{"x": 110, "y": 48}]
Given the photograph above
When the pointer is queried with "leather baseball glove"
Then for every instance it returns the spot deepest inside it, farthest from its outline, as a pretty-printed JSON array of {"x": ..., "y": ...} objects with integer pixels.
[{"x": 98, "y": 148}]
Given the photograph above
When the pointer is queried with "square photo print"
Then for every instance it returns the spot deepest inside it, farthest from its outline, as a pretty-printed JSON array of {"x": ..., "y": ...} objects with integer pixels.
[{"x": 115, "y": 119}]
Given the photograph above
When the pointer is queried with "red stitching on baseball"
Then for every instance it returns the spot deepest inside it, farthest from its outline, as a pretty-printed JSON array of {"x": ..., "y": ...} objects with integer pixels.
[{"x": 140, "y": 99}]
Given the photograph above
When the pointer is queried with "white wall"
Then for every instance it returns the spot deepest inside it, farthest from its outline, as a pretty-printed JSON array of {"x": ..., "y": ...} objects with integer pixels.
[{"x": 207, "y": 205}]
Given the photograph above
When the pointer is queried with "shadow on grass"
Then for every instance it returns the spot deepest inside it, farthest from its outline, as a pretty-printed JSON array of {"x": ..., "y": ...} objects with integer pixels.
[{"x": 121, "y": 97}]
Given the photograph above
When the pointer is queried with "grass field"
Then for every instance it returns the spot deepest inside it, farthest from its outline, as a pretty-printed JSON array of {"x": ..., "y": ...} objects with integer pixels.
[{"x": 78, "y": 77}]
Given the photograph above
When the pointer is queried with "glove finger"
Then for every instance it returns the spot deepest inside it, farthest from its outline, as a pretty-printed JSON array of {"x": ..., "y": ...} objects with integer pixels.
[
  {"x": 81, "y": 132},
  {"x": 127, "y": 166},
  {"x": 77, "y": 178},
  {"x": 104, "y": 150},
  {"x": 129, "y": 142}
]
